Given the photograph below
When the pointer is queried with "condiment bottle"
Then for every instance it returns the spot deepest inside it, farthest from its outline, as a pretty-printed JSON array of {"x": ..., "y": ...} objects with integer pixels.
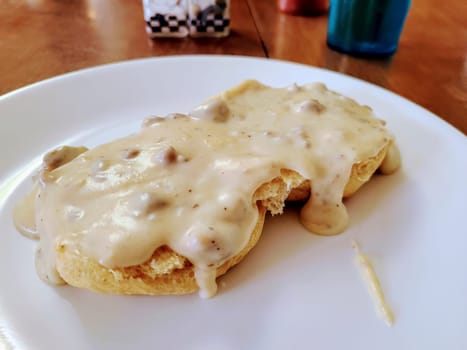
[
  {"x": 303, "y": 7},
  {"x": 366, "y": 27}
]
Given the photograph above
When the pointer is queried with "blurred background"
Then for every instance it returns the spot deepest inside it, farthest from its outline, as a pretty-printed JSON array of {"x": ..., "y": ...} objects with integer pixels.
[{"x": 43, "y": 38}]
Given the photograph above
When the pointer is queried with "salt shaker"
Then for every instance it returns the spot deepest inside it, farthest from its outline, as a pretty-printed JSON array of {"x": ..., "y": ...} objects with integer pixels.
[{"x": 166, "y": 18}]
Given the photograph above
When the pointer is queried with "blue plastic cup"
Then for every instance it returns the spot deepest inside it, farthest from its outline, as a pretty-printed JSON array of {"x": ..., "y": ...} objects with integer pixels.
[{"x": 366, "y": 27}]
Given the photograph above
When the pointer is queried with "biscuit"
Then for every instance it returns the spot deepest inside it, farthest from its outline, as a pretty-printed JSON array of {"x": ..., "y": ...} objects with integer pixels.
[{"x": 169, "y": 209}]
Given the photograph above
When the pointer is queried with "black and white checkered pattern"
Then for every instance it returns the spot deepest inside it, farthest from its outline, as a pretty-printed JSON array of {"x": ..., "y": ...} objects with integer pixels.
[
  {"x": 167, "y": 24},
  {"x": 212, "y": 24}
]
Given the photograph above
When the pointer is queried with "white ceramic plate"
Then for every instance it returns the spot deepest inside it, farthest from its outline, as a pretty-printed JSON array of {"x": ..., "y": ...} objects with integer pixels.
[{"x": 294, "y": 290}]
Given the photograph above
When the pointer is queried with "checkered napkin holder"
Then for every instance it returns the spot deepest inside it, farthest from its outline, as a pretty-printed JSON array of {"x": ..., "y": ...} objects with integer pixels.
[{"x": 180, "y": 18}]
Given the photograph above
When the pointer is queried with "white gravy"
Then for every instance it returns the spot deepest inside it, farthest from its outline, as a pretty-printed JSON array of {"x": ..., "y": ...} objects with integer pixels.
[{"x": 187, "y": 181}]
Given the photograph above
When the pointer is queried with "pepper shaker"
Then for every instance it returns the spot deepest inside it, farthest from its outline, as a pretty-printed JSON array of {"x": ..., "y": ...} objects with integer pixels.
[{"x": 209, "y": 18}]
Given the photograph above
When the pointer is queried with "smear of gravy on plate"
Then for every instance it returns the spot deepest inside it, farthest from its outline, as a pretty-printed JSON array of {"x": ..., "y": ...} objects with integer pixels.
[{"x": 373, "y": 285}]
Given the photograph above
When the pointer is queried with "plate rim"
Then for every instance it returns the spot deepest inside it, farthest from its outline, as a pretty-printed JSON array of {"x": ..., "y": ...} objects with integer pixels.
[{"x": 146, "y": 60}]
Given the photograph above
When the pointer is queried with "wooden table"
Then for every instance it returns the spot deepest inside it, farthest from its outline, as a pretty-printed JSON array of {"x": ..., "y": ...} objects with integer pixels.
[{"x": 42, "y": 38}]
